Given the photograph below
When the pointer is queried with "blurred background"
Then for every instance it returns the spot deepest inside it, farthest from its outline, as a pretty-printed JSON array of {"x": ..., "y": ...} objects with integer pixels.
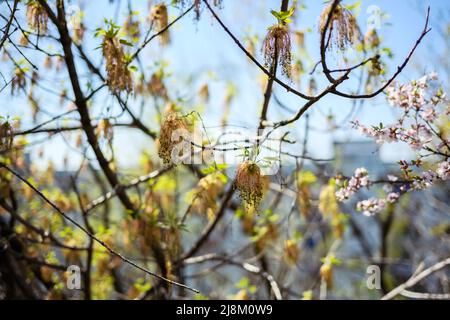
[{"x": 202, "y": 69}]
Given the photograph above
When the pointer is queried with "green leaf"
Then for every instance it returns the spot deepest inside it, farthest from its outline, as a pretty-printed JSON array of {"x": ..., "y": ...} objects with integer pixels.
[
  {"x": 356, "y": 5},
  {"x": 243, "y": 283},
  {"x": 126, "y": 42},
  {"x": 275, "y": 14},
  {"x": 283, "y": 16}
]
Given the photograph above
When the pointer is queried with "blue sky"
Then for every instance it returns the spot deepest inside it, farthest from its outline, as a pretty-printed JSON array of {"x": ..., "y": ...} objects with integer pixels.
[{"x": 202, "y": 52}]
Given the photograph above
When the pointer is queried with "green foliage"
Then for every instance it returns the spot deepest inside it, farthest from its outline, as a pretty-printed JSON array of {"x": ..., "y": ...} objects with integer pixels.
[
  {"x": 331, "y": 259},
  {"x": 244, "y": 283},
  {"x": 283, "y": 16}
]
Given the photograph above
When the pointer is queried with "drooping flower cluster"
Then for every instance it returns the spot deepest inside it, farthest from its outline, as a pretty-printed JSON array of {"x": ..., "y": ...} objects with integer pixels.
[
  {"x": 249, "y": 182},
  {"x": 277, "y": 48},
  {"x": 329, "y": 208},
  {"x": 119, "y": 76},
  {"x": 78, "y": 33},
  {"x": 37, "y": 16},
  {"x": 6, "y": 136},
  {"x": 132, "y": 27},
  {"x": 359, "y": 180},
  {"x": 291, "y": 251},
  {"x": 105, "y": 130},
  {"x": 19, "y": 81},
  {"x": 207, "y": 192},
  {"x": 167, "y": 141},
  {"x": 371, "y": 39},
  {"x": 160, "y": 18},
  {"x": 343, "y": 27},
  {"x": 156, "y": 86}
]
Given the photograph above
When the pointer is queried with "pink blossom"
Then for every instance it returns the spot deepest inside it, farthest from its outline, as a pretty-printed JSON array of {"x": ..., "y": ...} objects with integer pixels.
[
  {"x": 371, "y": 206},
  {"x": 421, "y": 105},
  {"x": 429, "y": 114},
  {"x": 392, "y": 197},
  {"x": 443, "y": 170},
  {"x": 359, "y": 180}
]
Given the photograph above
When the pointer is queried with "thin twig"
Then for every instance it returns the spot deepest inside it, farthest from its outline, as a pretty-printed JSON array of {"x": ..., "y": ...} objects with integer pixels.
[{"x": 416, "y": 279}]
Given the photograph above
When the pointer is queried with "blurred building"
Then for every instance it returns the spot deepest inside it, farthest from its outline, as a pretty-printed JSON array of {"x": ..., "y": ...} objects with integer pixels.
[{"x": 350, "y": 155}]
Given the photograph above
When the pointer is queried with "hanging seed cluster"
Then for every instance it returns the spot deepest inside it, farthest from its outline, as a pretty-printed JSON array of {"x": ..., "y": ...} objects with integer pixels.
[
  {"x": 171, "y": 123},
  {"x": 249, "y": 182},
  {"x": 78, "y": 33},
  {"x": 207, "y": 191},
  {"x": 160, "y": 18},
  {"x": 119, "y": 77},
  {"x": 6, "y": 136},
  {"x": 132, "y": 27},
  {"x": 37, "y": 16},
  {"x": 19, "y": 80},
  {"x": 371, "y": 39},
  {"x": 326, "y": 273},
  {"x": 343, "y": 27},
  {"x": 105, "y": 130},
  {"x": 277, "y": 48},
  {"x": 291, "y": 250}
]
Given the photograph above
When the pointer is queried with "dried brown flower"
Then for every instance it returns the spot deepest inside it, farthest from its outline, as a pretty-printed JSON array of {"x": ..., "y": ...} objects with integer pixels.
[
  {"x": 156, "y": 86},
  {"x": 160, "y": 18},
  {"x": 343, "y": 27},
  {"x": 171, "y": 123},
  {"x": 300, "y": 39},
  {"x": 249, "y": 182},
  {"x": 203, "y": 93},
  {"x": 78, "y": 33},
  {"x": 250, "y": 47},
  {"x": 326, "y": 273},
  {"x": 6, "y": 136},
  {"x": 119, "y": 77},
  {"x": 18, "y": 81},
  {"x": 23, "y": 40},
  {"x": 132, "y": 27},
  {"x": 34, "y": 77},
  {"x": 105, "y": 130},
  {"x": 48, "y": 62},
  {"x": 36, "y": 16},
  {"x": 371, "y": 39},
  {"x": 291, "y": 251},
  {"x": 34, "y": 104},
  {"x": 59, "y": 63},
  {"x": 277, "y": 48},
  {"x": 206, "y": 193}
]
